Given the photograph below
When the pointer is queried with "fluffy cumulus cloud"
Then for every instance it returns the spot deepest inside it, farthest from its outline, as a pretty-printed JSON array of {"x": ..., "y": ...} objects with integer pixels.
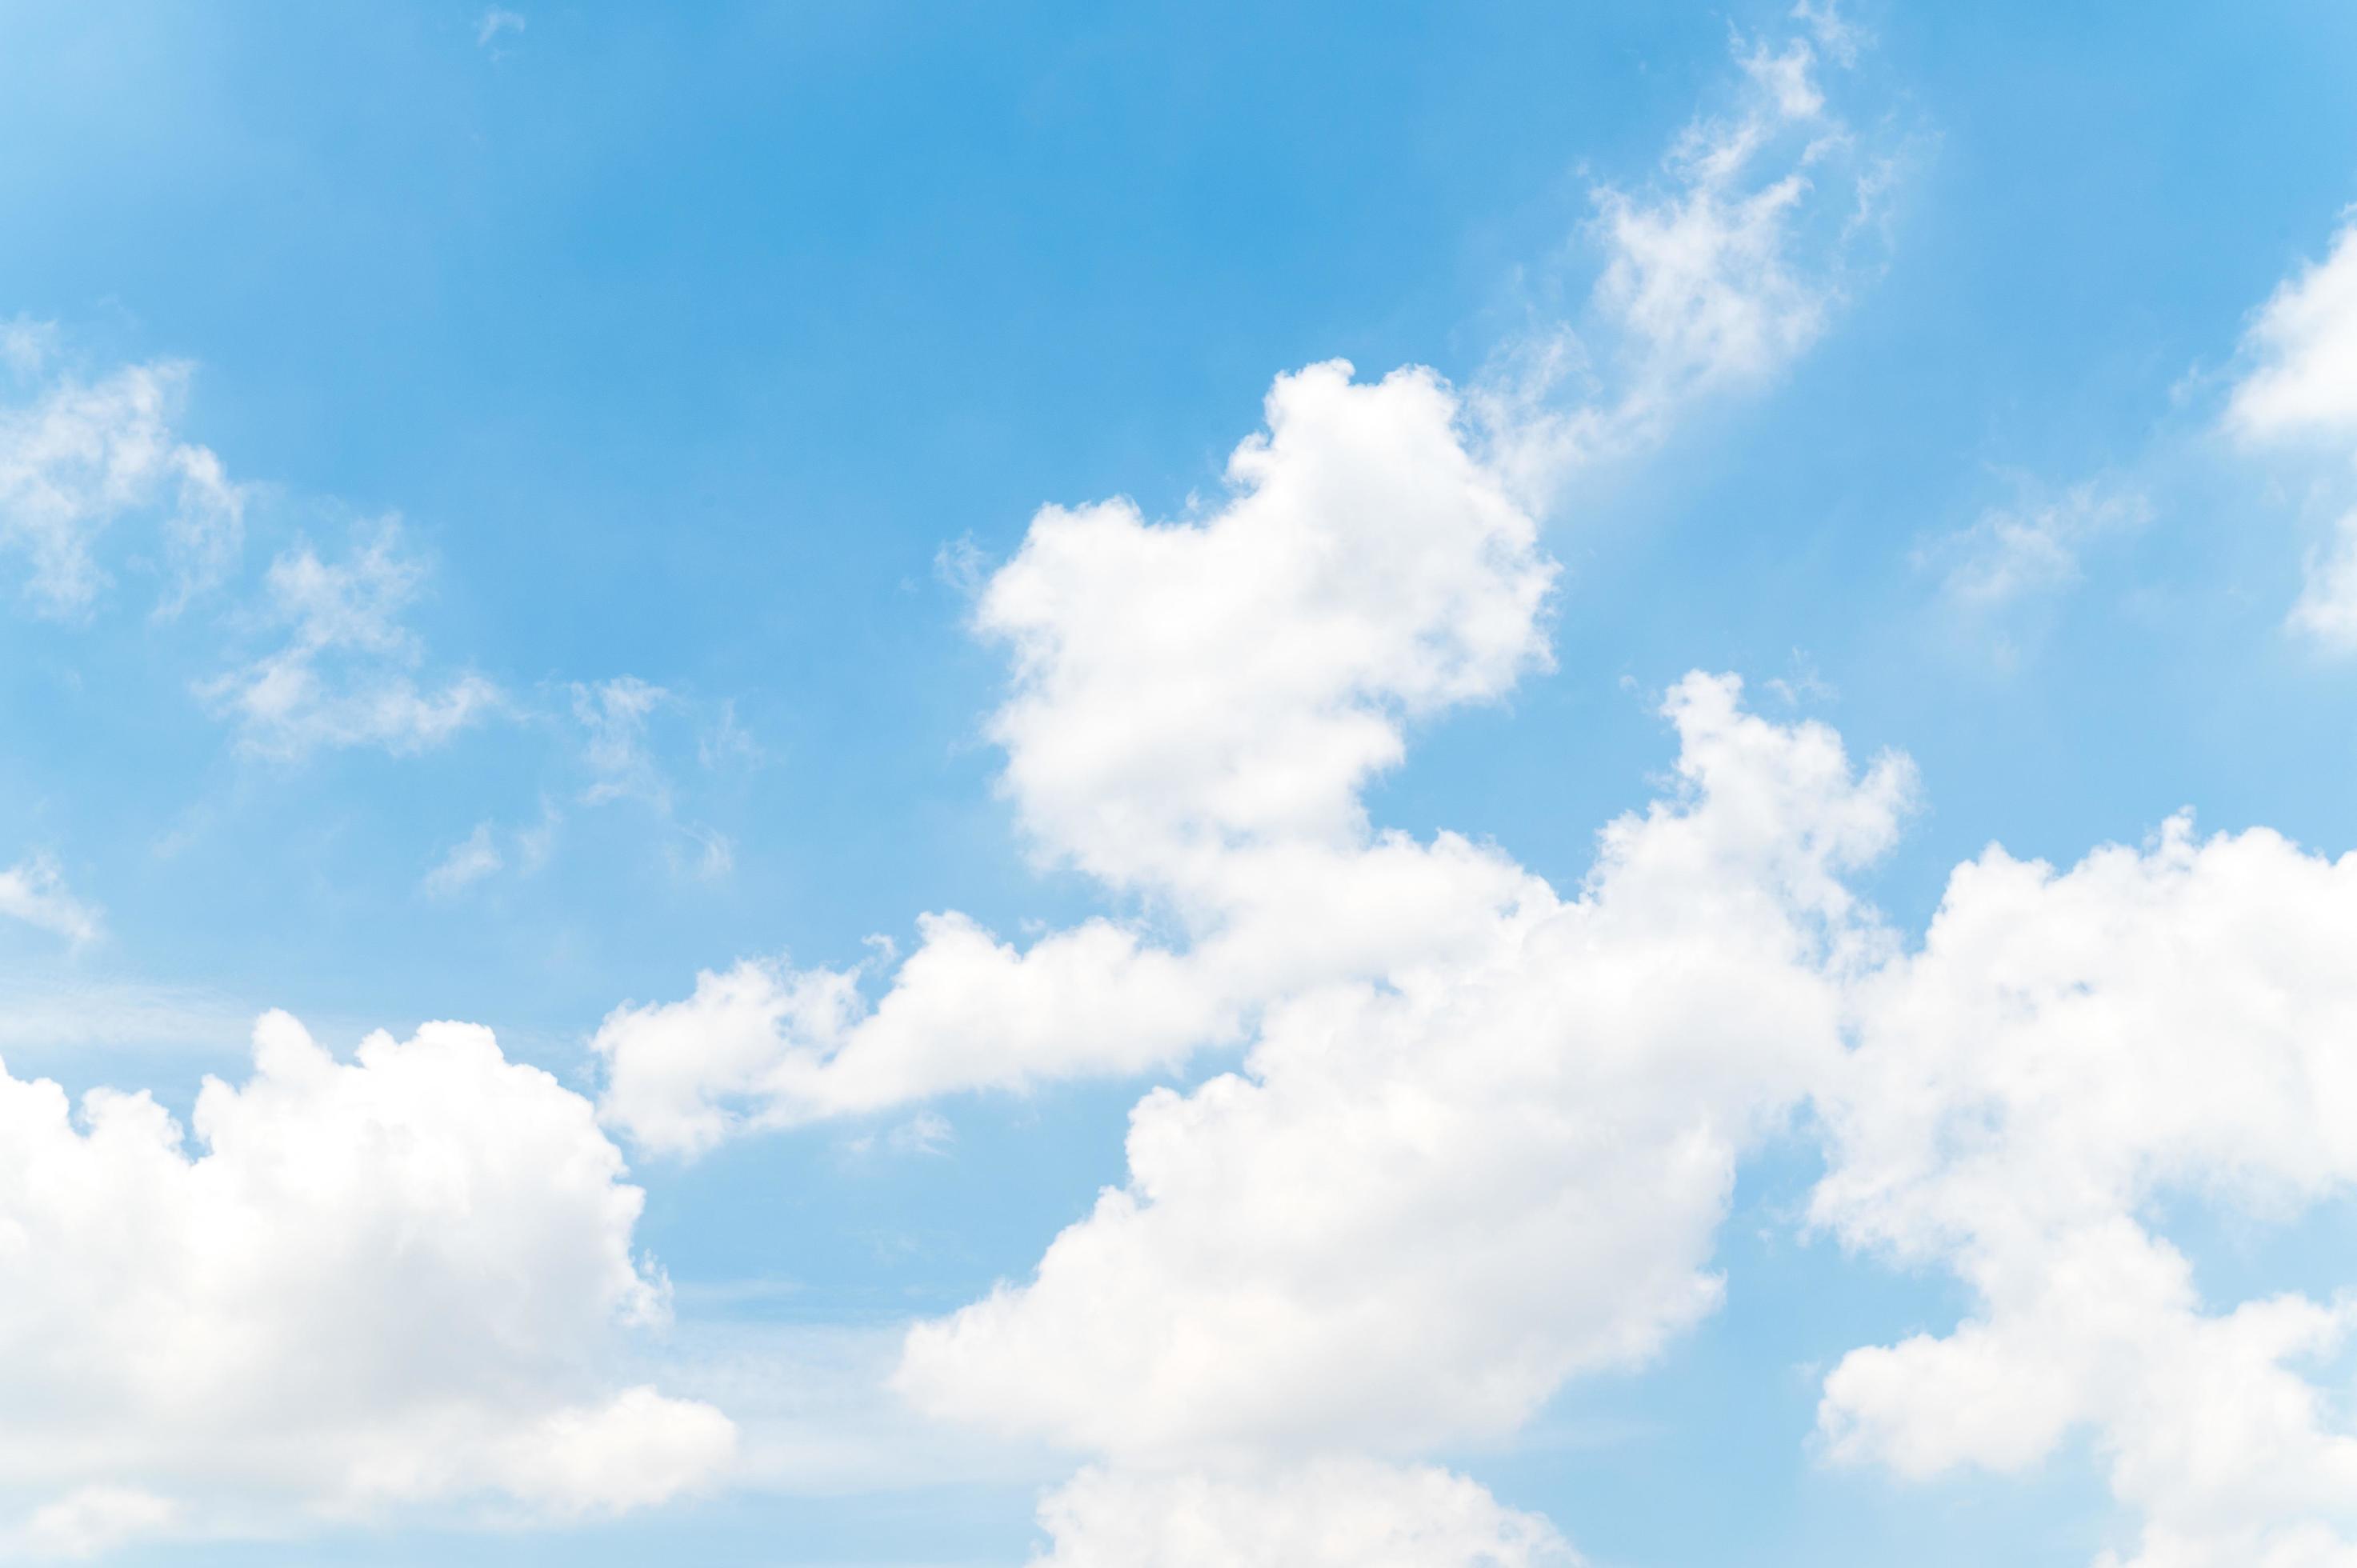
[
  {"x": 79, "y": 456},
  {"x": 404, "y": 1279},
  {"x": 1330, "y": 1514},
  {"x": 345, "y": 673},
  {"x": 1408, "y": 1217},
  {"x": 1425, "y": 1202},
  {"x": 1198, "y": 703},
  {"x": 2067, "y": 1051},
  {"x": 1196, "y": 706},
  {"x": 1483, "y": 1131},
  {"x": 1183, "y": 690}
]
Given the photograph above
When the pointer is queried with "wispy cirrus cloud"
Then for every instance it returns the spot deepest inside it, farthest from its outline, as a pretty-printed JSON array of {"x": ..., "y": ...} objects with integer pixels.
[
  {"x": 345, "y": 673},
  {"x": 469, "y": 861},
  {"x": 496, "y": 23},
  {"x": 80, "y": 455},
  {"x": 2033, "y": 546},
  {"x": 1715, "y": 274},
  {"x": 34, "y": 891}
]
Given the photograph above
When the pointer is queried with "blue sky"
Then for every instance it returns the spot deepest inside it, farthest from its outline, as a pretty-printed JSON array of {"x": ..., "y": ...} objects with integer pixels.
[{"x": 546, "y": 518}]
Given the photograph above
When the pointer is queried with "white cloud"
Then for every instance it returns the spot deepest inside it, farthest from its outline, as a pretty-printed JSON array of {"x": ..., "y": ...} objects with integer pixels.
[
  {"x": 1701, "y": 274},
  {"x": 80, "y": 457},
  {"x": 1431, "y": 1195},
  {"x": 2303, "y": 352},
  {"x": 1718, "y": 274},
  {"x": 2301, "y": 386},
  {"x": 2327, "y": 607},
  {"x": 1840, "y": 37},
  {"x": 1198, "y": 703},
  {"x": 1196, "y": 708},
  {"x": 1186, "y": 689},
  {"x": 1485, "y": 1133},
  {"x": 763, "y": 1045},
  {"x": 1331, "y": 1514},
  {"x": 405, "y": 1279},
  {"x": 469, "y": 861},
  {"x": 35, "y": 892},
  {"x": 2068, "y": 1051},
  {"x": 2013, "y": 552},
  {"x": 345, "y": 675}
]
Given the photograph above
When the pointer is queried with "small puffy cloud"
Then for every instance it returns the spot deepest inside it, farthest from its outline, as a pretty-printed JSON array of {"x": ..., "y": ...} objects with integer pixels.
[
  {"x": 1331, "y": 1514},
  {"x": 764, "y": 1044},
  {"x": 80, "y": 457},
  {"x": 35, "y": 892},
  {"x": 1182, "y": 688},
  {"x": 469, "y": 861},
  {"x": 402, "y": 1278},
  {"x": 346, "y": 674}
]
